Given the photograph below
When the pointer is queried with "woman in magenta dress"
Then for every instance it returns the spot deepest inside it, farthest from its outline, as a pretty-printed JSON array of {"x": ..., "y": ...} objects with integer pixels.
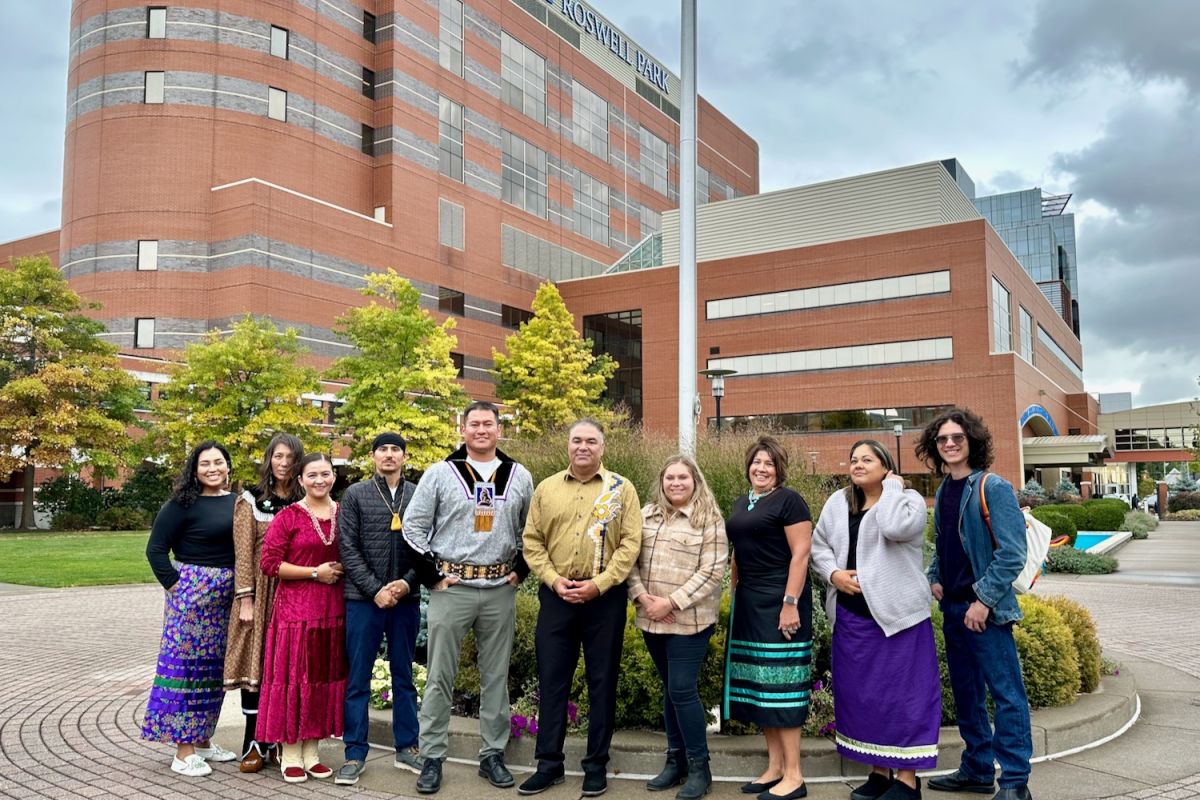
[{"x": 304, "y": 666}]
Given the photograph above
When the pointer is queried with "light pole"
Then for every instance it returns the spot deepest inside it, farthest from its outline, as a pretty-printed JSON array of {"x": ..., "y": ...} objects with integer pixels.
[
  {"x": 898, "y": 430},
  {"x": 812, "y": 454},
  {"x": 717, "y": 376}
]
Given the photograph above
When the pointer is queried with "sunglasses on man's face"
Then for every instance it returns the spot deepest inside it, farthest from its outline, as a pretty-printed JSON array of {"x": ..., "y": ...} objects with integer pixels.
[{"x": 957, "y": 438}]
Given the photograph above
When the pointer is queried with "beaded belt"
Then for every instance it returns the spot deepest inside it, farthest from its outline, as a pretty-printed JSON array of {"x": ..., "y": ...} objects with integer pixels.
[{"x": 469, "y": 572}]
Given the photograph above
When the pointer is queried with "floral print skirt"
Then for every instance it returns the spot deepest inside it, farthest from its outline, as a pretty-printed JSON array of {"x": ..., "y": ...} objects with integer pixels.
[{"x": 185, "y": 698}]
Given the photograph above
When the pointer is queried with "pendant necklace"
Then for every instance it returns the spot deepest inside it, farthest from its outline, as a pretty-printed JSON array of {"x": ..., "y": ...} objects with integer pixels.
[
  {"x": 316, "y": 523},
  {"x": 754, "y": 497},
  {"x": 396, "y": 525}
]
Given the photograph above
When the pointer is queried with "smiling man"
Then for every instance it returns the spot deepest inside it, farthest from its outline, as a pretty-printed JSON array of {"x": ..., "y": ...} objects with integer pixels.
[
  {"x": 466, "y": 519},
  {"x": 583, "y": 536}
]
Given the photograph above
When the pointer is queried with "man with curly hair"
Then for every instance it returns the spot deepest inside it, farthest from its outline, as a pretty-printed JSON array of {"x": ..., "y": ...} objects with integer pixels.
[{"x": 974, "y": 565}]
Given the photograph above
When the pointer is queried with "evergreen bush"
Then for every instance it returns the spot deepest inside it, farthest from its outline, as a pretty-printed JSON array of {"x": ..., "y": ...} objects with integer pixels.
[
  {"x": 1139, "y": 523},
  {"x": 1077, "y": 562},
  {"x": 949, "y": 713},
  {"x": 1046, "y": 645},
  {"x": 120, "y": 518},
  {"x": 1065, "y": 491},
  {"x": 1060, "y": 524},
  {"x": 1104, "y": 515},
  {"x": 1087, "y": 641}
]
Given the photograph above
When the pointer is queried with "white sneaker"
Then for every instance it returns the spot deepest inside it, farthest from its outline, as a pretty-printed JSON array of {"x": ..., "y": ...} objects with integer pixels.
[
  {"x": 214, "y": 752},
  {"x": 191, "y": 767}
]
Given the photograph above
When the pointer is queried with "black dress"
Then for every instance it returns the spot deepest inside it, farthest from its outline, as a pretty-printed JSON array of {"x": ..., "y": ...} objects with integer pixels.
[{"x": 767, "y": 677}]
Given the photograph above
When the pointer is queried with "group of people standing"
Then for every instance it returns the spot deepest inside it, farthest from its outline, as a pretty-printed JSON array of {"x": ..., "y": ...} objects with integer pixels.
[{"x": 305, "y": 590}]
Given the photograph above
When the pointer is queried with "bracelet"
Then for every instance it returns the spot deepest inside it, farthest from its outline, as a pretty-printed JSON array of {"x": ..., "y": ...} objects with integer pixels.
[{"x": 788, "y": 600}]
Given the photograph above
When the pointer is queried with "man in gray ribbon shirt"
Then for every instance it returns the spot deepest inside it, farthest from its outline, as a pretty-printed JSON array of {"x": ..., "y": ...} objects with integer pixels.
[{"x": 466, "y": 518}]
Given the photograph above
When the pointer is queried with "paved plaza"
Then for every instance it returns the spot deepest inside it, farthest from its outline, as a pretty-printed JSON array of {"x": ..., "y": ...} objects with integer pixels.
[{"x": 76, "y": 666}]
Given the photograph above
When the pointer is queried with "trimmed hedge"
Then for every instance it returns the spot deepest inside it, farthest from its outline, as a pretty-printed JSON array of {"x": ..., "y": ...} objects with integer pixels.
[
  {"x": 1087, "y": 642},
  {"x": 1105, "y": 515},
  {"x": 1047, "y": 648},
  {"x": 1077, "y": 562},
  {"x": 1190, "y": 515},
  {"x": 1139, "y": 523},
  {"x": 1184, "y": 501},
  {"x": 1060, "y": 524}
]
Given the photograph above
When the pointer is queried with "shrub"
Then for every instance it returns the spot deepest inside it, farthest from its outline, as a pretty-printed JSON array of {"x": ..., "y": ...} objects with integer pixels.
[
  {"x": 1190, "y": 515},
  {"x": 1065, "y": 490},
  {"x": 1187, "y": 482},
  {"x": 1060, "y": 524},
  {"x": 1087, "y": 642},
  {"x": 70, "y": 521},
  {"x": 1104, "y": 515},
  {"x": 1032, "y": 495},
  {"x": 120, "y": 518},
  {"x": 71, "y": 494},
  {"x": 1047, "y": 649},
  {"x": 147, "y": 488},
  {"x": 1077, "y": 562},
  {"x": 1183, "y": 501},
  {"x": 1076, "y": 513},
  {"x": 1139, "y": 523},
  {"x": 522, "y": 667},
  {"x": 930, "y": 531},
  {"x": 949, "y": 712},
  {"x": 1033, "y": 489}
]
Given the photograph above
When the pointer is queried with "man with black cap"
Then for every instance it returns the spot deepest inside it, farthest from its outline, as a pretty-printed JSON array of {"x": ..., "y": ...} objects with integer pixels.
[{"x": 382, "y": 599}]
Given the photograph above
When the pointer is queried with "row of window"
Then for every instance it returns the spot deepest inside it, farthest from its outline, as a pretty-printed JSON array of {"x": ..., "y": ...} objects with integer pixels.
[
  {"x": 156, "y": 27},
  {"x": 1173, "y": 438},
  {"x": 831, "y": 295},
  {"x": 866, "y": 355},
  {"x": 1002, "y": 328},
  {"x": 868, "y": 419}
]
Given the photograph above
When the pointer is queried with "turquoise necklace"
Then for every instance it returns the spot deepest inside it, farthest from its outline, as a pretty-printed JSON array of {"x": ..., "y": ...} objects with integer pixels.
[{"x": 754, "y": 497}]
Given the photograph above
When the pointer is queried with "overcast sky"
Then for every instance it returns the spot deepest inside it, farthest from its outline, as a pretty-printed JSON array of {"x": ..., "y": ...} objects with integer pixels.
[{"x": 1099, "y": 98}]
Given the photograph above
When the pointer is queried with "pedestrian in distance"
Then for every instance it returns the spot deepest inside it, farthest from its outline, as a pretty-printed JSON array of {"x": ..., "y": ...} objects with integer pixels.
[
  {"x": 974, "y": 565},
  {"x": 191, "y": 553},
  {"x": 768, "y": 675},
  {"x": 868, "y": 547},
  {"x": 582, "y": 538},
  {"x": 254, "y": 593},
  {"x": 382, "y": 602},
  {"x": 304, "y": 664},
  {"x": 466, "y": 521},
  {"x": 676, "y": 587}
]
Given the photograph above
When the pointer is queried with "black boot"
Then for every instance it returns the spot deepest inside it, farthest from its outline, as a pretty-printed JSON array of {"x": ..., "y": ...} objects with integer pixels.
[
  {"x": 674, "y": 772},
  {"x": 699, "y": 780}
]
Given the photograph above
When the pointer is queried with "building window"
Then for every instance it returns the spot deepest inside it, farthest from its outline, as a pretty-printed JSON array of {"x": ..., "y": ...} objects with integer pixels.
[
  {"x": 1001, "y": 318},
  {"x": 651, "y": 221},
  {"x": 837, "y": 294},
  {"x": 589, "y": 121},
  {"x": 277, "y": 104},
  {"x": 368, "y": 140},
  {"x": 279, "y": 42},
  {"x": 512, "y": 317},
  {"x": 860, "y": 420},
  {"x": 1026, "y": 335},
  {"x": 866, "y": 355},
  {"x": 590, "y": 212},
  {"x": 702, "y": 182},
  {"x": 156, "y": 22},
  {"x": 368, "y": 83},
  {"x": 451, "y": 302},
  {"x": 450, "y": 35},
  {"x": 523, "y": 174},
  {"x": 143, "y": 333},
  {"x": 620, "y": 335},
  {"x": 451, "y": 224},
  {"x": 522, "y": 78},
  {"x": 460, "y": 364},
  {"x": 450, "y": 138},
  {"x": 1048, "y": 341},
  {"x": 147, "y": 256},
  {"x": 654, "y": 161},
  {"x": 369, "y": 27},
  {"x": 155, "y": 87}
]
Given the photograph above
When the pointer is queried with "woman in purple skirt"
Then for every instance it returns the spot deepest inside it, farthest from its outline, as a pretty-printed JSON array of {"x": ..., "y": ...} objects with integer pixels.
[{"x": 867, "y": 547}]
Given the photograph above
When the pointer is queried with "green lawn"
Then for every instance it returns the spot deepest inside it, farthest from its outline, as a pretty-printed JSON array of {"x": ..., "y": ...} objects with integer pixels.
[{"x": 74, "y": 558}]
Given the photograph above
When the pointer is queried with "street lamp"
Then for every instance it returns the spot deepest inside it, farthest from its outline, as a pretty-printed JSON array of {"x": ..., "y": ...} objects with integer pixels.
[
  {"x": 897, "y": 429},
  {"x": 812, "y": 454},
  {"x": 717, "y": 376}
]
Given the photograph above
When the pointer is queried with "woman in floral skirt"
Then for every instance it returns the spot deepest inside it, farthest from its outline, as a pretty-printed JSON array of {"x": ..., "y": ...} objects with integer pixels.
[{"x": 304, "y": 667}]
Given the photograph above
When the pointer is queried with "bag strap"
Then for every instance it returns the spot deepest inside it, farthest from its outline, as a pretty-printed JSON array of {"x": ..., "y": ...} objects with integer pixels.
[{"x": 987, "y": 516}]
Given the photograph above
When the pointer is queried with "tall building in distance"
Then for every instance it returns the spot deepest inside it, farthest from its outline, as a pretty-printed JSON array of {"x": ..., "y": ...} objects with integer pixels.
[{"x": 1042, "y": 238}]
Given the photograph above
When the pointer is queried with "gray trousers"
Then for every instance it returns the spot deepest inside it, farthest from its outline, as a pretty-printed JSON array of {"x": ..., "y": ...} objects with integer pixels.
[{"x": 492, "y": 613}]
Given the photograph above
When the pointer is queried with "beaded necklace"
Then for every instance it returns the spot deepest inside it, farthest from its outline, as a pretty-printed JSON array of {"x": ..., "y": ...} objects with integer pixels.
[
  {"x": 316, "y": 523},
  {"x": 754, "y": 497}
]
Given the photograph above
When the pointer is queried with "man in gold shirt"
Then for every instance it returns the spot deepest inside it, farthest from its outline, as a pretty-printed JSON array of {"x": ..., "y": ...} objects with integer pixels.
[{"x": 582, "y": 537}]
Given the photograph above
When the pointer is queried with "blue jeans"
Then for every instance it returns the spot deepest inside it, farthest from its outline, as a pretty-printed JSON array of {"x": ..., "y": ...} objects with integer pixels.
[
  {"x": 979, "y": 663},
  {"x": 366, "y": 625},
  {"x": 678, "y": 658}
]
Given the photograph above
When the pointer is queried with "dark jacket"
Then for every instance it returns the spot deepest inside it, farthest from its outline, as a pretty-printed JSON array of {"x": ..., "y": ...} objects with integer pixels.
[{"x": 372, "y": 554}]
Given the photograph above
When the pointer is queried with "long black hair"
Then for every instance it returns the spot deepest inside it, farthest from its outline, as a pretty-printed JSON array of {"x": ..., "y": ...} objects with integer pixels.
[
  {"x": 855, "y": 496},
  {"x": 291, "y": 490},
  {"x": 187, "y": 485}
]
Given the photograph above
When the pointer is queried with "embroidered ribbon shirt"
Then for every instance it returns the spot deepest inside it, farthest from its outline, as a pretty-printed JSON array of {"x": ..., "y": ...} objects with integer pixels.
[{"x": 569, "y": 535}]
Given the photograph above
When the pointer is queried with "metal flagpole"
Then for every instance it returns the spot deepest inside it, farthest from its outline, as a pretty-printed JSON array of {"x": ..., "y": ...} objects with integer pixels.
[{"x": 688, "y": 399}]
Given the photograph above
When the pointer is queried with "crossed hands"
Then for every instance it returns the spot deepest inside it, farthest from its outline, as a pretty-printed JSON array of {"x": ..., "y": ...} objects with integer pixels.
[
  {"x": 576, "y": 591},
  {"x": 658, "y": 609},
  {"x": 330, "y": 572},
  {"x": 391, "y": 593}
]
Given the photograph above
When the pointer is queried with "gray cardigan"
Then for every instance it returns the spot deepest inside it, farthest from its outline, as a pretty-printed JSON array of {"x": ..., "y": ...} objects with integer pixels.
[{"x": 889, "y": 555}]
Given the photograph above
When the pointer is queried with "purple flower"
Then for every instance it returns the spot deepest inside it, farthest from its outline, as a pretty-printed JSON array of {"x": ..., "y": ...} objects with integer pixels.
[
  {"x": 817, "y": 685},
  {"x": 384, "y": 694},
  {"x": 516, "y": 724},
  {"x": 828, "y": 729},
  {"x": 533, "y": 726},
  {"x": 572, "y": 712}
]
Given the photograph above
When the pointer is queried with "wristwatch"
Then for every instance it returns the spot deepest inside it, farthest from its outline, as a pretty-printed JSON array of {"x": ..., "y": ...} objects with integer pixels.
[
  {"x": 314, "y": 574},
  {"x": 788, "y": 600}
]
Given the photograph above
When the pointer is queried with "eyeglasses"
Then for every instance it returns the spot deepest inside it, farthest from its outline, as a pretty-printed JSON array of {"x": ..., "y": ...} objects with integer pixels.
[{"x": 957, "y": 438}]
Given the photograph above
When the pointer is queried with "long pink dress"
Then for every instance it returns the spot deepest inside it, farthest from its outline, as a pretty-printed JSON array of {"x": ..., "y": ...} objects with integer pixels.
[{"x": 304, "y": 665}]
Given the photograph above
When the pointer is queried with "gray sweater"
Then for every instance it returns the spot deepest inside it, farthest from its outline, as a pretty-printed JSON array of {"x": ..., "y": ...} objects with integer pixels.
[
  {"x": 440, "y": 520},
  {"x": 889, "y": 555}
]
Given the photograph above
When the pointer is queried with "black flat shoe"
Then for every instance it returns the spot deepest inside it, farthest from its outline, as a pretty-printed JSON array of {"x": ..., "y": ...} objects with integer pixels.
[
  {"x": 958, "y": 782},
  {"x": 759, "y": 788},
  {"x": 794, "y": 794}
]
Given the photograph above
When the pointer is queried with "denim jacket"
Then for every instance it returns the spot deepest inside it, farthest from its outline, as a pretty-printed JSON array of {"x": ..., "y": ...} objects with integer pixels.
[{"x": 994, "y": 569}]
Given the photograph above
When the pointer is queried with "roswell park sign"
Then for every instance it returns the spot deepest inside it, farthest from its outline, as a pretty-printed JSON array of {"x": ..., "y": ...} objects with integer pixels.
[{"x": 593, "y": 24}]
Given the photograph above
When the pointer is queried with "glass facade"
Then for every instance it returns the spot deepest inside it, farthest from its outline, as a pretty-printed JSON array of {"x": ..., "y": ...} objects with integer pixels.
[
  {"x": 831, "y": 295},
  {"x": 620, "y": 335},
  {"x": 1157, "y": 438},
  {"x": 654, "y": 161},
  {"x": 865, "y": 420},
  {"x": 522, "y": 78},
  {"x": 590, "y": 211},
  {"x": 589, "y": 120},
  {"x": 523, "y": 174},
  {"x": 865, "y": 355}
]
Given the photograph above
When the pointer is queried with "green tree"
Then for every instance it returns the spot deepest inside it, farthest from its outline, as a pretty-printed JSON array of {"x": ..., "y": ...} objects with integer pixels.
[
  {"x": 240, "y": 390},
  {"x": 550, "y": 376},
  {"x": 403, "y": 377},
  {"x": 64, "y": 398}
]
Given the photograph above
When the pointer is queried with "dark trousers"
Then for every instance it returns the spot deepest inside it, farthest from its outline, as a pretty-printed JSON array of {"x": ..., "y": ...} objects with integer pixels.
[
  {"x": 678, "y": 659},
  {"x": 980, "y": 663},
  {"x": 562, "y": 629},
  {"x": 366, "y": 625}
]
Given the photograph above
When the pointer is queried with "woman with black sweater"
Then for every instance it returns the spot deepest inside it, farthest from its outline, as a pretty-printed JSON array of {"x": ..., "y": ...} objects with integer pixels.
[{"x": 191, "y": 553}]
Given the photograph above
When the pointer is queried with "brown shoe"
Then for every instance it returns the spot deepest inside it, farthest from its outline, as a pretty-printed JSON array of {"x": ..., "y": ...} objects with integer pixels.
[{"x": 253, "y": 760}]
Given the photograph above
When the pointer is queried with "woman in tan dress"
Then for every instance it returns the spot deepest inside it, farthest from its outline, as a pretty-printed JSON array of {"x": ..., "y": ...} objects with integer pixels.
[{"x": 254, "y": 592}]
